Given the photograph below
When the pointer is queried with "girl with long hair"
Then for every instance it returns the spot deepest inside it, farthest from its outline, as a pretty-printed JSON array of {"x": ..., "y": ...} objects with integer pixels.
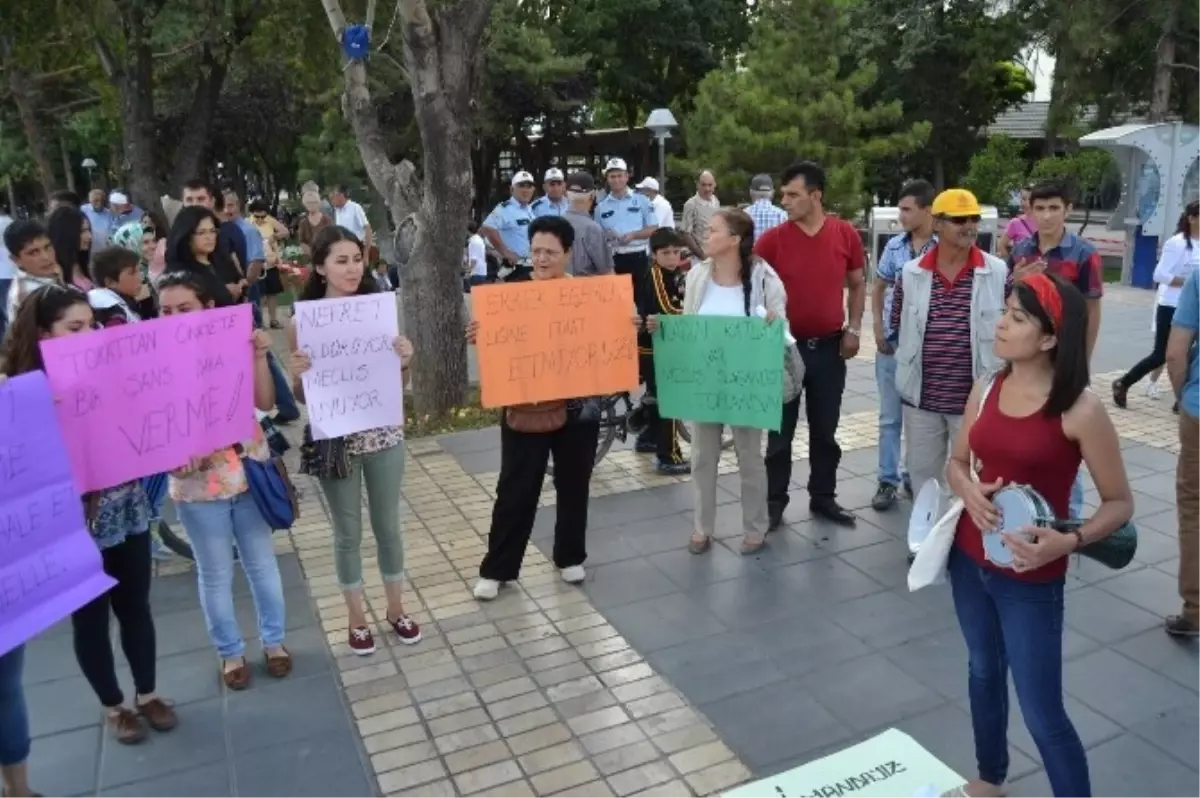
[
  {"x": 119, "y": 520},
  {"x": 374, "y": 456},
  {"x": 1030, "y": 424},
  {"x": 1180, "y": 257},
  {"x": 193, "y": 246},
  {"x": 213, "y": 501},
  {"x": 71, "y": 235},
  {"x": 731, "y": 281}
]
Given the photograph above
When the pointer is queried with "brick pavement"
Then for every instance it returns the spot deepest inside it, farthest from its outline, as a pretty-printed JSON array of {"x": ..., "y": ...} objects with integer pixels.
[{"x": 666, "y": 674}]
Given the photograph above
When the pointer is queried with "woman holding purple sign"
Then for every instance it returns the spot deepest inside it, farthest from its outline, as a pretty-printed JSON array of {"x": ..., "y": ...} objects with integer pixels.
[
  {"x": 119, "y": 520},
  {"x": 213, "y": 500}
]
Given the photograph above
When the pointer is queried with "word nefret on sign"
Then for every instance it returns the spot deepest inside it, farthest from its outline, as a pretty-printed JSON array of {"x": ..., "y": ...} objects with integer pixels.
[
  {"x": 720, "y": 369},
  {"x": 555, "y": 339},
  {"x": 355, "y": 382},
  {"x": 49, "y": 564},
  {"x": 140, "y": 399}
]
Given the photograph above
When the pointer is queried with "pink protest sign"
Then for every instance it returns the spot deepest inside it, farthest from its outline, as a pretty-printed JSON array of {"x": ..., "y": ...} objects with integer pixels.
[
  {"x": 49, "y": 564},
  {"x": 140, "y": 399}
]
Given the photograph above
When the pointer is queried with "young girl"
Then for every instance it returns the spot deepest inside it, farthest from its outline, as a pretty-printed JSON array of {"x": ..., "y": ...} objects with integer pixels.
[
  {"x": 375, "y": 456},
  {"x": 1037, "y": 422},
  {"x": 213, "y": 501},
  {"x": 71, "y": 233},
  {"x": 119, "y": 519}
]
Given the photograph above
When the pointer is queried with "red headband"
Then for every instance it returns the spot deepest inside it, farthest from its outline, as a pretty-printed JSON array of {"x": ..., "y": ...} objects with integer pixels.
[{"x": 1048, "y": 297}]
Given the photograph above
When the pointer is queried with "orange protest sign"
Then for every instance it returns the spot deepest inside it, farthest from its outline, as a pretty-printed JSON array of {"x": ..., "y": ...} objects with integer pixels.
[{"x": 555, "y": 339}]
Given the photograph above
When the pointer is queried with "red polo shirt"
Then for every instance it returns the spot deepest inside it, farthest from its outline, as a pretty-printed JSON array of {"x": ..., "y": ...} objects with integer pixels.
[{"x": 813, "y": 270}]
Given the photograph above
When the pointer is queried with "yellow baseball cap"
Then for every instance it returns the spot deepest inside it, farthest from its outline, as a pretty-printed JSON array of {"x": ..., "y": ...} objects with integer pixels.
[{"x": 956, "y": 202}]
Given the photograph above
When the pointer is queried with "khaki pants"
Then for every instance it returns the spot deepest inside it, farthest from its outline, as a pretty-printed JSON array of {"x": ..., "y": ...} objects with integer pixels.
[
  {"x": 1187, "y": 499},
  {"x": 706, "y": 456},
  {"x": 930, "y": 438}
]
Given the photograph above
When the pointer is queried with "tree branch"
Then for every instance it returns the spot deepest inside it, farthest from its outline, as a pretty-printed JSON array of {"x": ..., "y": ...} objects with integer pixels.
[{"x": 1189, "y": 67}]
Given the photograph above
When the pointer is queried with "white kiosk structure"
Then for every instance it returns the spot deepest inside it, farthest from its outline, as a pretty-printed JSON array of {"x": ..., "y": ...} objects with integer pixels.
[
  {"x": 885, "y": 223},
  {"x": 1159, "y": 177}
]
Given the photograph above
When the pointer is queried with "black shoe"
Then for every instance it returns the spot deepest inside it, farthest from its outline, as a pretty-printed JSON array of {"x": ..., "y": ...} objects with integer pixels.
[
  {"x": 1120, "y": 394},
  {"x": 831, "y": 511},
  {"x": 774, "y": 517},
  {"x": 884, "y": 498},
  {"x": 673, "y": 469},
  {"x": 1178, "y": 626},
  {"x": 645, "y": 447}
]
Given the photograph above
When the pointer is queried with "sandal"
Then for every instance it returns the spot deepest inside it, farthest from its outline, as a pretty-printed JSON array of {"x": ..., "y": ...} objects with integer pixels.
[
  {"x": 279, "y": 665},
  {"x": 238, "y": 678},
  {"x": 700, "y": 545},
  {"x": 752, "y": 547}
]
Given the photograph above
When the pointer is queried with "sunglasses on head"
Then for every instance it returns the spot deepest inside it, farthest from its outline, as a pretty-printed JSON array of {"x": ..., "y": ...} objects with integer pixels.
[{"x": 961, "y": 220}]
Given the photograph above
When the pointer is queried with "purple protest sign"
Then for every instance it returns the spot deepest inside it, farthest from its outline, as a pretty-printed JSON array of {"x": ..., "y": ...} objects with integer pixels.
[
  {"x": 49, "y": 564},
  {"x": 140, "y": 399}
]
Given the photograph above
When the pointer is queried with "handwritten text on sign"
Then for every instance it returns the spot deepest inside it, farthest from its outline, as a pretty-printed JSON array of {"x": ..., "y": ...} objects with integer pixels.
[
  {"x": 889, "y": 764},
  {"x": 142, "y": 398},
  {"x": 720, "y": 369},
  {"x": 49, "y": 564},
  {"x": 555, "y": 339},
  {"x": 355, "y": 382}
]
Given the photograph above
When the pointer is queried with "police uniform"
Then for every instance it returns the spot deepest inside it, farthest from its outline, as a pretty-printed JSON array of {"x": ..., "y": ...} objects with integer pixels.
[
  {"x": 511, "y": 220},
  {"x": 622, "y": 215},
  {"x": 544, "y": 206},
  {"x": 660, "y": 294}
]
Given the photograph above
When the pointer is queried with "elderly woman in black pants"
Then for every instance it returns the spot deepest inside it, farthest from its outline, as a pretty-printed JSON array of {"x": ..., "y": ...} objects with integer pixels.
[{"x": 529, "y": 434}]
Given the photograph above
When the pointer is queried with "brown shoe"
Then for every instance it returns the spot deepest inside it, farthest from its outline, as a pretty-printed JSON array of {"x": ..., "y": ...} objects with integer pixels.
[
  {"x": 158, "y": 714},
  {"x": 1179, "y": 626},
  {"x": 126, "y": 726},
  {"x": 280, "y": 665},
  {"x": 238, "y": 678}
]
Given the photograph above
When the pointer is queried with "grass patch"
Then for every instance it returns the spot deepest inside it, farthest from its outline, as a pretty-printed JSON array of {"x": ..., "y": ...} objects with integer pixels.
[{"x": 468, "y": 415}]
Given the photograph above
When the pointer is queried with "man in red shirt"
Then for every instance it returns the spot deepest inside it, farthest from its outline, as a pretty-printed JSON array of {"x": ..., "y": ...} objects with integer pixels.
[{"x": 816, "y": 256}]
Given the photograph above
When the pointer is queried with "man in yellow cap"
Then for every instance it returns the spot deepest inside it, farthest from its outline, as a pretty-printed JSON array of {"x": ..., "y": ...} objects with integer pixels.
[{"x": 944, "y": 311}]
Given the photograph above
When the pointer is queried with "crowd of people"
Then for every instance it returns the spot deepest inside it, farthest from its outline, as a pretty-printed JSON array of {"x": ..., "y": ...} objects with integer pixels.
[{"x": 984, "y": 360}]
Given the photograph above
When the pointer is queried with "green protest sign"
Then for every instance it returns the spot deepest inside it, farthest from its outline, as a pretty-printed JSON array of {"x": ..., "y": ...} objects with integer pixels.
[{"x": 720, "y": 369}]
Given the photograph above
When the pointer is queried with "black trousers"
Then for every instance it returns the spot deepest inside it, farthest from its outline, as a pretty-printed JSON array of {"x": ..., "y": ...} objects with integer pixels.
[
  {"x": 129, "y": 600},
  {"x": 635, "y": 263},
  {"x": 824, "y": 382},
  {"x": 1162, "y": 331},
  {"x": 523, "y": 460},
  {"x": 664, "y": 432}
]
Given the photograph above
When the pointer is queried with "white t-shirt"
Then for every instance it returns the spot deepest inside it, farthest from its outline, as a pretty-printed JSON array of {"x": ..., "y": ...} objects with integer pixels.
[
  {"x": 664, "y": 214},
  {"x": 1177, "y": 260},
  {"x": 352, "y": 217},
  {"x": 477, "y": 255},
  {"x": 722, "y": 300}
]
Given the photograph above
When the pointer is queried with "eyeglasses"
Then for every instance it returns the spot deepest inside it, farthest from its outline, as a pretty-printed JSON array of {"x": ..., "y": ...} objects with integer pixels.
[{"x": 961, "y": 220}]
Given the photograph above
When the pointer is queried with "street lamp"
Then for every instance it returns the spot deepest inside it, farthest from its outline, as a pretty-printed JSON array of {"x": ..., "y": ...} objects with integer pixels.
[
  {"x": 90, "y": 166},
  {"x": 660, "y": 123}
]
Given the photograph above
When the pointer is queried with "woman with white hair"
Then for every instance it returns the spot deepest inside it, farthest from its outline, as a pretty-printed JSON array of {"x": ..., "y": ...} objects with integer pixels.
[{"x": 313, "y": 222}]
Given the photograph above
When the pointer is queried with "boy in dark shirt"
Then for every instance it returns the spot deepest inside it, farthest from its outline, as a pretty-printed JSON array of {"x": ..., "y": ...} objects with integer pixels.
[{"x": 660, "y": 293}]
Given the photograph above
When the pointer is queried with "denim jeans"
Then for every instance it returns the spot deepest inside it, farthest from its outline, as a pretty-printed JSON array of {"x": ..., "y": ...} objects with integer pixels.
[
  {"x": 14, "y": 719},
  {"x": 891, "y": 420},
  {"x": 214, "y": 527},
  {"x": 1076, "y": 506},
  {"x": 285, "y": 400},
  {"x": 1010, "y": 624}
]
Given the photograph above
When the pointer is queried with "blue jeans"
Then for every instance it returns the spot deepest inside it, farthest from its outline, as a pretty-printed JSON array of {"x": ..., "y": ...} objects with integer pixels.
[
  {"x": 1019, "y": 625},
  {"x": 14, "y": 719},
  {"x": 1076, "y": 506},
  {"x": 285, "y": 402},
  {"x": 891, "y": 419},
  {"x": 214, "y": 527}
]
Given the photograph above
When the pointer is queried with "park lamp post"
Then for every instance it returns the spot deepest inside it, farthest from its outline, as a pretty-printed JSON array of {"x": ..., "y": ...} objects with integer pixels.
[
  {"x": 660, "y": 123},
  {"x": 90, "y": 166}
]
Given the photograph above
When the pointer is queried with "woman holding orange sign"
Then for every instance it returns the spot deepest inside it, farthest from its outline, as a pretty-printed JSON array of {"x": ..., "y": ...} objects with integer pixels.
[{"x": 529, "y": 434}]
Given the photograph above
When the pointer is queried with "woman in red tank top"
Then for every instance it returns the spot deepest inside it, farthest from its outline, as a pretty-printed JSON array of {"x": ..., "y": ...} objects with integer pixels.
[{"x": 1036, "y": 423}]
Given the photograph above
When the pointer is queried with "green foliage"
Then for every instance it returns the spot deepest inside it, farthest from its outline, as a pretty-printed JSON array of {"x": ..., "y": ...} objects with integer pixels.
[
  {"x": 796, "y": 94},
  {"x": 1085, "y": 171},
  {"x": 996, "y": 171},
  {"x": 15, "y": 161},
  {"x": 327, "y": 153}
]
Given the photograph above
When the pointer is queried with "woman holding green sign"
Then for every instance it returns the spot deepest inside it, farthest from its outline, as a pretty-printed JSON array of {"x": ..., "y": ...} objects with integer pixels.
[{"x": 731, "y": 282}]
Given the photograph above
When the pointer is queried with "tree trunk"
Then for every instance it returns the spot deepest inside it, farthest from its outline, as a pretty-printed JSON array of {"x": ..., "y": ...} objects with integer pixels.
[
  {"x": 1160, "y": 96},
  {"x": 134, "y": 79},
  {"x": 193, "y": 146},
  {"x": 68, "y": 170},
  {"x": 22, "y": 95}
]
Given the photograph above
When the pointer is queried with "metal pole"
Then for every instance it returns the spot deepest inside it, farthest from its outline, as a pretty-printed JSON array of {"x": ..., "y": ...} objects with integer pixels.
[{"x": 662, "y": 163}]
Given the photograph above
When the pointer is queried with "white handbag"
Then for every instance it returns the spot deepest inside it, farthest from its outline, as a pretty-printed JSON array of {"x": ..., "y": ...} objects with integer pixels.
[{"x": 929, "y": 566}]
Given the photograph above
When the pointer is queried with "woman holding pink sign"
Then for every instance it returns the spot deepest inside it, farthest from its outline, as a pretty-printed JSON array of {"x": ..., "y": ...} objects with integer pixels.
[
  {"x": 213, "y": 500},
  {"x": 119, "y": 520},
  {"x": 374, "y": 456}
]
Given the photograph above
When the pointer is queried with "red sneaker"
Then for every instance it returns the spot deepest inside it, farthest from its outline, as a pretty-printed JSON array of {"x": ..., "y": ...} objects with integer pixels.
[
  {"x": 362, "y": 642},
  {"x": 407, "y": 629}
]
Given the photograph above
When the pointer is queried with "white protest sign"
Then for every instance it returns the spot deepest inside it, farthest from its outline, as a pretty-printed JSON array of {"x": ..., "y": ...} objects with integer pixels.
[
  {"x": 355, "y": 382},
  {"x": 888, "y": 765}
]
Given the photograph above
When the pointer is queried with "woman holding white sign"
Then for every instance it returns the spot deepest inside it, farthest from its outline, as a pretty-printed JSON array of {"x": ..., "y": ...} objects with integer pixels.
[
  {"x": 213, "y": 500},
  {"x": 119, "y": 520},
  {"x": 731, "y": 282},
  {"x": 343, "y": 464}
]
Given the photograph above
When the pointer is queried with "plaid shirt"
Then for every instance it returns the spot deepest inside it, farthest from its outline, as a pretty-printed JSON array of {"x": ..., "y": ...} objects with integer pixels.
[
  {"x": 896, "y": 252},
  {"x": 1074, "y": 259},
  {"x": 765, "y": 215}
]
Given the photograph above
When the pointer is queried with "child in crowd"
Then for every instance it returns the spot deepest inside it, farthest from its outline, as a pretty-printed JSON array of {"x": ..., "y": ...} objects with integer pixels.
[
  {"x": 661, "y": 293},
  {"x": 29, "y": 246},
  {"x": 116, "y": 273}
]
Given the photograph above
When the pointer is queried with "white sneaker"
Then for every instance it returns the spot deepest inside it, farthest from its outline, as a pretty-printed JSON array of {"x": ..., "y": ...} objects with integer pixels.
[
  {"x": 487, "y": 589},
  {"x": 574, "y": 575},
  {"x": 1153, "y": 391}
]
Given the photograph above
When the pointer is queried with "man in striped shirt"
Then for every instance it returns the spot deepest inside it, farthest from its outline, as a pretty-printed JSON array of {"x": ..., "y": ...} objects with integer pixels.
[{"x": 943, "y": 318}]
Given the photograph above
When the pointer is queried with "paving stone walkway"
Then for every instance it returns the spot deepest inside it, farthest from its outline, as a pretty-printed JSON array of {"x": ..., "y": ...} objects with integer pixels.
[{"x": 666, "y": 674}]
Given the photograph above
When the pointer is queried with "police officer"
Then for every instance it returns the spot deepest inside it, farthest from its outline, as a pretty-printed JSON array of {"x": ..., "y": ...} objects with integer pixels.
[
  {"x": 628, "y": 220},
  {"x": 554, "y": 203},
  {"x": 507, "y": 227}
]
